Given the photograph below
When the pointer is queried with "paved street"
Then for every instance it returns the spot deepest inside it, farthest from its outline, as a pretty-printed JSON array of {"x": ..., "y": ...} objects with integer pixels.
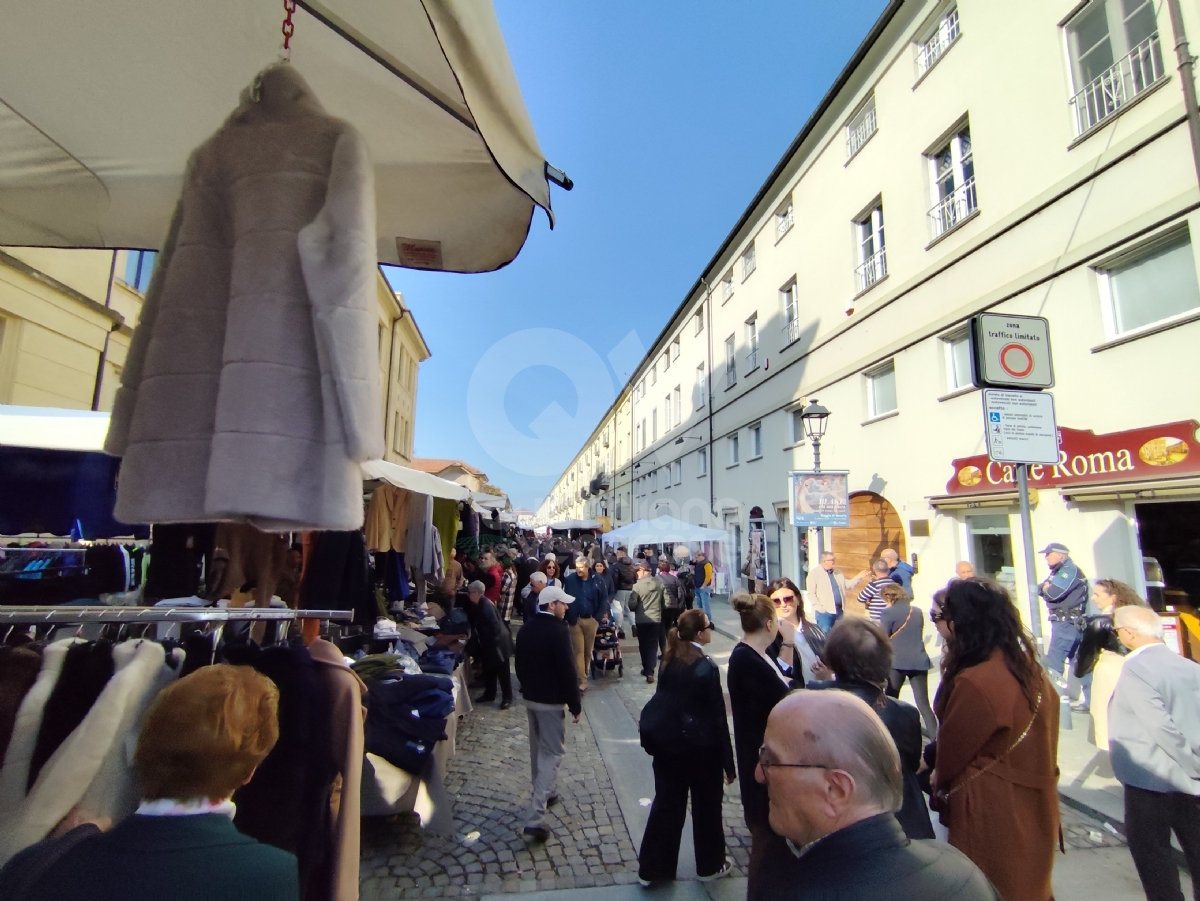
[{"x": 606, "y": 787}]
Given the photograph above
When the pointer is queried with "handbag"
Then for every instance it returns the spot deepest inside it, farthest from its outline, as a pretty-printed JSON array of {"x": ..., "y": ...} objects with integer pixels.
[
  {"x": 815, "y": 636},
  {"x": 659, "y": 726}
]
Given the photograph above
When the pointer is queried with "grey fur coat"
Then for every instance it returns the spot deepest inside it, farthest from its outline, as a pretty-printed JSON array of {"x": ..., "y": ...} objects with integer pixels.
[{"x": 251, "y": 390}]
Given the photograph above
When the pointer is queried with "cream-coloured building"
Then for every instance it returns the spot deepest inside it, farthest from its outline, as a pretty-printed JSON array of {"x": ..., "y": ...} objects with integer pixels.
[
  {"x": 1030, "y": 157},
  {"x": 67, "y": 316}
]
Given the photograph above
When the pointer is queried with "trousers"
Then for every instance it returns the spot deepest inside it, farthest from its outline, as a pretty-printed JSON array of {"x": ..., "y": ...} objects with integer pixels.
[
  {"x": 547, "y": 747},
  {"x": 583, "y": 639},
  {"x": 920, "y": 686},
  {"x": 1149, "y": 818},
  {"x": 496, "y": 670},
  {"x": 704, "y": 601},
  {"x": 827, "y": 620},
  {"x": 1063, "y": 637},
  {"x": 675, "y": 777},
  {"x": 647, "y": 636}
]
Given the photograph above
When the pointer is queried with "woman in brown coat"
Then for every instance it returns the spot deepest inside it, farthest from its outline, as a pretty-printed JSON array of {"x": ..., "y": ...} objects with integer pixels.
[{"x": 996, "y": 776}]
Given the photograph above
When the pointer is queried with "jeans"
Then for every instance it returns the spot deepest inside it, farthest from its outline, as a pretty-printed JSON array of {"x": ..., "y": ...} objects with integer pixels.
[
  {"x": 674, "y": 778},
  {"x": 547, "y": 747},
  {"x": 1063, "y": 636},
  {"x": 648, "y": 646},
  {"x": 704, "y": 601},
  {"x": 826, "y": 620},
  {"x": 621, "y": 612},
  {"x": 1149, "y": 818},
  {"x": 920, "y": 686},
  {"x": 583, "y": 639}
]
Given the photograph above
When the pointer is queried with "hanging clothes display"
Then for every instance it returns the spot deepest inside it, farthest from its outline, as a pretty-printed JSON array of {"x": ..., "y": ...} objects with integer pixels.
[
  {"x": 85, "y": 672},
  {"x": 420, "y": 534},
  {"x": 18, "y": 671},
  {"x": 447, "y": 522},
  {"x": 179, "y": 556},
  {"x": 386, "y": 524},
  {"x": 337, "y": 576},
  {"x": 275, "y": 435},
  {"x": 243, "y": 555}
]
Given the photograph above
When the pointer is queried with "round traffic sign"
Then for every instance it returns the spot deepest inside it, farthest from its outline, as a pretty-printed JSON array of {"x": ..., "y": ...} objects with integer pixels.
[{"x": 1016, "y": 360}]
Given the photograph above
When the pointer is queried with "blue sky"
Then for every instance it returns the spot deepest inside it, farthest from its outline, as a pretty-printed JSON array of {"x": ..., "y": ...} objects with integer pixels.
[{"x": 668, "y": 116}]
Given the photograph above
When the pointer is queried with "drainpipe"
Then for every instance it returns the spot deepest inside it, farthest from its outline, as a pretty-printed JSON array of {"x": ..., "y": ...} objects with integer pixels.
[
  {"x": 712, "y": 491},
  {"x": 1186, "y": 79},
  {"x": 112, "y": 273}
]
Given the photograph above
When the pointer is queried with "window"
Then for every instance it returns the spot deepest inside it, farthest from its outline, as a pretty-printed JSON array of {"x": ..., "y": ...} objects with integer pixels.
[
  {"x": 654, "y": 480},
  {"x": 702, "y": 463},
  {"x": 678, "y": 397},
  {"x": 860, "y": 128},
  {"x": 667, "y": 413},
  {"x": 953, "y": 177},
  {"x": 733, "y": 450},
  {"x": 748, "y": 262},
  {"x": 797, "y": 420},
  {"x": 1152, "y": 284},
  {"x": 791, "y": 311},
  {"x": 756, "y": 441},
  {"x": 675, "y": 349},
  {"x": 701, "y": 387},
  {"x": 619, "y": 496},
  {"x": 139, "y": 264},
  {"x": 654, "y": 424},
  {"x": 957, "y": 346},
  {"x": 666, "y": 360},
  {"x": 699, "y": 320},
  {"x": 752, "y": 343},
  {"x": 730, "y": 362},
  {"x": 872, "y": 258},
  {"x": 991, "y": 549},
  {"x": 678, "y": 472},
  {"x": 727, "y": 286},
  {"x": 1115, "y": 56},
  {"x": 881, "y": 390},
  {"x": 653, "y": 376},
  {"x": 643, "y": 434},
  {"x": 397, "y": 444},
  {"x": 784, "y": 219},
  {"x": 937, "y": 41},
  {"x": 641, "y": 388}
]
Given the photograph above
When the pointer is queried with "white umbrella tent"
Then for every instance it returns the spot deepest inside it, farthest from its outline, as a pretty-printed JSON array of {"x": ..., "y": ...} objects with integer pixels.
[
  {"x": 661, "y": 530},
  {"x": 101, "y": 103}
]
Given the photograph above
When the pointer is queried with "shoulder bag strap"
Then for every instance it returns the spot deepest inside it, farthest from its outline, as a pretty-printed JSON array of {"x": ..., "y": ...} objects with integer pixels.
[
  {"x": 1004, "y": 756},
  {"x": 903, "y": 624}
]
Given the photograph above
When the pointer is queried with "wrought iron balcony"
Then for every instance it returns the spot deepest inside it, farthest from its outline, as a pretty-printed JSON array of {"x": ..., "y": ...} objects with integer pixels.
[
  {"x": 1116, "y": 86},
  {"x": 954, "y": 207}
]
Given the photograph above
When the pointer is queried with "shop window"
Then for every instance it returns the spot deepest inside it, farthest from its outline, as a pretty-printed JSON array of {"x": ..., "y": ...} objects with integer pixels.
[
  {"x": 1153, "y": 284},
  {"x": 991, "y": 549},
  {"x": 957, "y": 348},
  {"x": 881, "y": 390}
]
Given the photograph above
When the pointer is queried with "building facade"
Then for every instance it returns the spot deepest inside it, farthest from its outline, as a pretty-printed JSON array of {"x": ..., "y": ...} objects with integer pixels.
[
  {"x": 1030, "y": 158},
  {"x": 402, "y": 349}
]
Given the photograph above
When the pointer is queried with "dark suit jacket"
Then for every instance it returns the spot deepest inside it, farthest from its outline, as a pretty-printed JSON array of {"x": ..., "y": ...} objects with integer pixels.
[
  {"x": 188, "y": 858},
  {"x": 873, "y": 860}
]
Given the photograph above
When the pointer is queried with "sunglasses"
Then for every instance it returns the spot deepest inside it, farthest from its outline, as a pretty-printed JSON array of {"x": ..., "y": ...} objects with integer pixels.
[
  {"x": 937, "y": 616},
  {"x": 784, "y": 599}
]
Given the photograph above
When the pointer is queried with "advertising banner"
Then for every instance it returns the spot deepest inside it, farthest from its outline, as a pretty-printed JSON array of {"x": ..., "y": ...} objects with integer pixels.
[{"x": 820, "y": 499}]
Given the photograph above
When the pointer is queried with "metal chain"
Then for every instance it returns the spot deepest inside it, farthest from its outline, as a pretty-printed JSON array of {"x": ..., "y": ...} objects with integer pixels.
[{"x": 289, "y": 27}]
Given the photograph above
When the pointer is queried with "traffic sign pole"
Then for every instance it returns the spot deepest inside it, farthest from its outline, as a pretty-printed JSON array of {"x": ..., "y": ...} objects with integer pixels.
[{"x": 1031, "y": 583}]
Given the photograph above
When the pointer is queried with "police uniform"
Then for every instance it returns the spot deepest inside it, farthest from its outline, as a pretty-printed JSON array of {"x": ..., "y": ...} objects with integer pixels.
[{"x": 1065, "y": 593}]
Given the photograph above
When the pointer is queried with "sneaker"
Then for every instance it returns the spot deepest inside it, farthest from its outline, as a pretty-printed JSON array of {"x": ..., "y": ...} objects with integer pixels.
[
  {"x": 644, "y": 883},
  {"x": 1081, "y": 707},
  {"x": 536, "y": 833},
  {"x": 724, "y": 871},
  {"x": 552, "y": 800}
]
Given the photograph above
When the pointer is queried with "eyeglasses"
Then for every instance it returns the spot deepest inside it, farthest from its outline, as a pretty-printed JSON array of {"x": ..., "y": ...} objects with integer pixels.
[
  {"x": 937, "y": 616},
  {"x": 784, "y": 599},
  {"x": 768, "y": 764},
  {"x": 705, "y": 627}
]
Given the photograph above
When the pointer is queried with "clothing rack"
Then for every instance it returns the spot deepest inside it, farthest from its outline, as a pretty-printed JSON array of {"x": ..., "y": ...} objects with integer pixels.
[{"x": 81, "y": 615}]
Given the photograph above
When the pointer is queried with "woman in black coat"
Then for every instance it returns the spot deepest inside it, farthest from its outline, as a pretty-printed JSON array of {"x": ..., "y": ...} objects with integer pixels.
[
  {"x": 860, "y": 656},
  {"x": 690, "y": 760},
  {"x": 756, "y": 685},
  {"x": 905, "y": 625},
  {"x": 493, "y": 643}
]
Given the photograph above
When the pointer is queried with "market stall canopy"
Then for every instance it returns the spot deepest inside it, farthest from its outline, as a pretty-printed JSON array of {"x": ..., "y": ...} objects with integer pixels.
[
  {"x": 661, "y": 530},
  {"x": 101, "y": 103},
  {"x": 413, "y": 480},
  {"x": 50, "y": 428},
  {"x": 567, "y": 524}
]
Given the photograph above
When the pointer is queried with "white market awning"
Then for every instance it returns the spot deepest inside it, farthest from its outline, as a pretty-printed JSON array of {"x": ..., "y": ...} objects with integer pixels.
[
  {"x": 567, "y": 524},
  {"x": 102, "y": 102},
  {"x": 50, "y": 428},
  {"x": 413, "y": 480},
  {"x": 662, "y": 530}
]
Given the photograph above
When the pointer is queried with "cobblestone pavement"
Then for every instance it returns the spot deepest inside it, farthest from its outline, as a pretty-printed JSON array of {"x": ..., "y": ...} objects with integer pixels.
[{"x": 489, "y": 779}]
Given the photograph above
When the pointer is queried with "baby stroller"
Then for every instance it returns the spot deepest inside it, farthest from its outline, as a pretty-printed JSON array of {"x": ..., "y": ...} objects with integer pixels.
[{"x": 606, "y": 653}]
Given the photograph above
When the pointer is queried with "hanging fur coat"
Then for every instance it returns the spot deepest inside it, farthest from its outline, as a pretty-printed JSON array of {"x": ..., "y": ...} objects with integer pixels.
[{"x": 251, "y": 389}]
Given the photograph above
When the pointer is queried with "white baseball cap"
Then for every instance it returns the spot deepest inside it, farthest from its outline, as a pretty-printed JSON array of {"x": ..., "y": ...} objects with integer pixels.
[{"x": 552, "y": 594}]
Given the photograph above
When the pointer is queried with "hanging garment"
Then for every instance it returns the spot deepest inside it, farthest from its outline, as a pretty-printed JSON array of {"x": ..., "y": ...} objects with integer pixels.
[
  {"x": 67, "y": 775},
  {"x": 287, "y": 803},
  {"x": 14, "y": 774},
  {"x": 18, "y": 671},
  {"x": 395, "y": 576},
  {"x": 386, "y": 526},
  {"x": 436, "y": 570},
  {"x": 269, "y": 264},
  {"x": 420, "y": 525},
  {"x": 346, "y": 692},
  {"x": 243, "y": 555},
  {"x": 179, "y": 554},
  {"x": 336, "y": 576},
  {"x": 85, "y": 672},
  {"x": 445, "y": 519}
]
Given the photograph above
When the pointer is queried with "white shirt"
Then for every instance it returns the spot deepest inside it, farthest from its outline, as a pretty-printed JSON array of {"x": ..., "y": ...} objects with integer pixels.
[{"x": 190, "y": 807}]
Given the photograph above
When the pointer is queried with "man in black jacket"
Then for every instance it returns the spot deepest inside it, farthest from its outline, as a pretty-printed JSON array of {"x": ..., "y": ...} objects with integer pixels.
[
  {"x": 491, "y": 643},
  {"x": 546, "y": 670},
  {"x": 833, "y": 778}
]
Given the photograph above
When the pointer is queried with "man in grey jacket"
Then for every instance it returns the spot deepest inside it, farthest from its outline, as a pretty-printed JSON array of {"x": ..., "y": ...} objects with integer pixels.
[
  {"x": 1154, "y": 744},
  {"x": 646, "y": 601}
]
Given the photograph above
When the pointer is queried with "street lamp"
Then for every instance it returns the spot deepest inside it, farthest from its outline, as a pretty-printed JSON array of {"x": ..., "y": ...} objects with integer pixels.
[{"x": 815, "y": 419}]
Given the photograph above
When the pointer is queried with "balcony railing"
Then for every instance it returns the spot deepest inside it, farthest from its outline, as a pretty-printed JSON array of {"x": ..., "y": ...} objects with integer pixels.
[
  {"x": 730, "y": 376},
  {"x": 791, "y": 330},
  {"x": 1112, "y": 89},
  {"x": 872, "y": 270},
  {"x": 860, "y": 131},
  {"x": 939, "y": 42},
  {"x": 752, "y": 359},
  {"x": 954, "y": 208}
]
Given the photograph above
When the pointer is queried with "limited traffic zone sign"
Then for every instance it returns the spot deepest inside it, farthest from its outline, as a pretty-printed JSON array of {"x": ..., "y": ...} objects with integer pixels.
[{"x": 1012, "y": 351}]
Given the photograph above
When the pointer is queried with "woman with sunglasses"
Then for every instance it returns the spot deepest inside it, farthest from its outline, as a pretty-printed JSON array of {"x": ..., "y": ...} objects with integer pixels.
[
  {"x": 798, "y": 643},
  {"x": 690, "y": 761},
  {"x": 550, "y": 570},
  {"x": 995, "y": 779},
  {"x": 756, "y": 685},
  {"x": 1101, "y": 655}
]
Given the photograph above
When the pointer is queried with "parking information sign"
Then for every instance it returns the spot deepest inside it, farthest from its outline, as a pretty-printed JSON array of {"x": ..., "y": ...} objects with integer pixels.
[
  {"x": 1020, "y": 426},
  {"x": 1012, "y": 351}
]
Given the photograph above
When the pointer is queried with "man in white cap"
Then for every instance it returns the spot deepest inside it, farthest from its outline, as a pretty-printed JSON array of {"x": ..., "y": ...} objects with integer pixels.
[{"x": 549, "y": 681}]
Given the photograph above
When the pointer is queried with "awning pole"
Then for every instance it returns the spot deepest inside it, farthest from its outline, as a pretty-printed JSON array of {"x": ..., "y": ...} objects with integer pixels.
[{"x": 1031, "y": 583}]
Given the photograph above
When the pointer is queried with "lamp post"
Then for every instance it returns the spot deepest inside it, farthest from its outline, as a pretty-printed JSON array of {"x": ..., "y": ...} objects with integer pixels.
[{"x": 815, "y": 419}]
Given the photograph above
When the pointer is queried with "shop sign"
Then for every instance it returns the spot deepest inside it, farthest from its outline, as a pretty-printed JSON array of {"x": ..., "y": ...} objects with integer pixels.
[
  {"x": 820, "y": 499},
  {"x": 1084, "y": 458}
]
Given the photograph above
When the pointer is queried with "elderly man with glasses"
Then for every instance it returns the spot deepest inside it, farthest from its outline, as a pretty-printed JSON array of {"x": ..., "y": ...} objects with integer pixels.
[
  {"x": 834, "y": 784},
  {"x": 827, "y": 590}
]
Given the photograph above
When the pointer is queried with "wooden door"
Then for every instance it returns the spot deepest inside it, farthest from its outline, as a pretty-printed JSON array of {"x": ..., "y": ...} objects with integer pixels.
[{"x": 874, "y": 526}]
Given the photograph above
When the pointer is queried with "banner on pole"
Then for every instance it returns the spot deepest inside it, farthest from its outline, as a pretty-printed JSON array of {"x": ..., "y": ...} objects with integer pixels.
[{"x": 820, "y": 498}]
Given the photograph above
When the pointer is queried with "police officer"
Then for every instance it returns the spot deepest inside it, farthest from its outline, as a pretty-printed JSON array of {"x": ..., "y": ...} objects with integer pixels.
[{"x": 1065, "y": 592}]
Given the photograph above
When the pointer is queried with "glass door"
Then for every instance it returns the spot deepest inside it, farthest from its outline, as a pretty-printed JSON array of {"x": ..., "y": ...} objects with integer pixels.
[{"x": 991, "y": 549}]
